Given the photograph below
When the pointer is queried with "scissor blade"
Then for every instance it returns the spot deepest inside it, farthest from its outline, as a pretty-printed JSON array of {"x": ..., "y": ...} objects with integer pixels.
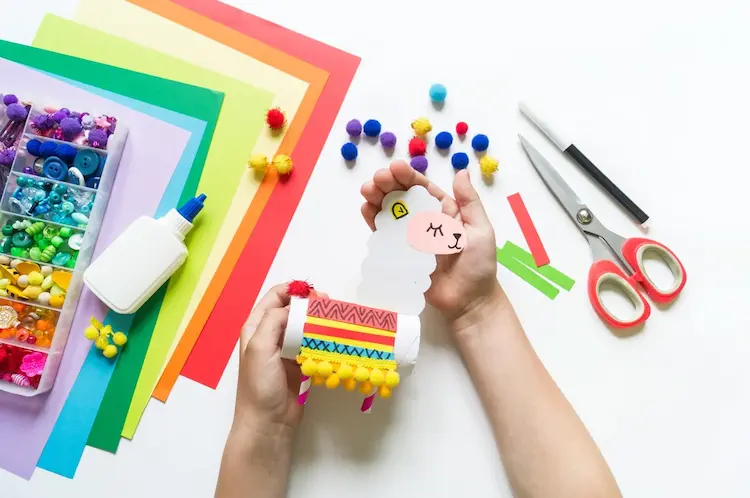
[{"x": 568, "y": 199}]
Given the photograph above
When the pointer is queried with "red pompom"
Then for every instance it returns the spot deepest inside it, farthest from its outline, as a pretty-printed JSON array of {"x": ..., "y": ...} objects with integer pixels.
[
  {"x": 462, "y": 128},
  {"x": 275, "y": 118},
  {"x": 299, "y": 288},
  {"x": 417, "y": 147}
]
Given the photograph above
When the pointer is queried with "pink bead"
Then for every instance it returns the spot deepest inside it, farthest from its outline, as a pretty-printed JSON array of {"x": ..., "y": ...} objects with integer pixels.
[
  {"x": 7, "y": 378},
  {"x": 20, "y": 380},
  {"x": 31, "y": 339}
]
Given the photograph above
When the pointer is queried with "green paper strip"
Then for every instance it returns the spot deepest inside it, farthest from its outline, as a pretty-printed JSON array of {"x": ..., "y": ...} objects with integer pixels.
[
  {"x": 553, "y": 274},
  {"x": 526, "y": 274}
]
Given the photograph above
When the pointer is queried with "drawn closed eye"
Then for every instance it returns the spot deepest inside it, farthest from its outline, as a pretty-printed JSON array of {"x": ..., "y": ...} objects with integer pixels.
[{"x": 436, "y": 230}]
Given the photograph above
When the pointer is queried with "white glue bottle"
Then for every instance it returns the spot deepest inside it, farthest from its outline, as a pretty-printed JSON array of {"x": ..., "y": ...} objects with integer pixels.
[{"x": 142, "y": 258}]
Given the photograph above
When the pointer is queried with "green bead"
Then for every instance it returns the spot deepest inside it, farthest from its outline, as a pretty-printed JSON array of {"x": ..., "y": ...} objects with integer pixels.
[
  {"x": 25, "y": 254},
  {"x": 7, "y": 245},
  {"x": 43, "y": 244},
  {"x": 22, "y": 240},
  {"x": 35, "y": 253},
  {"x": 57, "y": 241},
  {"x": 66, "y": 232},
  {"x": 50, "y": 231},
  {"x": 16, "y": 251},
  {"x": 8, "y": 230},
  {"x": 71, "y": 263}
]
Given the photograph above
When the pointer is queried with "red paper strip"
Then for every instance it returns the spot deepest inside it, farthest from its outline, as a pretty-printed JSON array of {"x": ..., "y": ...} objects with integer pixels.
[
  {"x": 214, "y": 347},
  {"x": 529, "y": 230}
]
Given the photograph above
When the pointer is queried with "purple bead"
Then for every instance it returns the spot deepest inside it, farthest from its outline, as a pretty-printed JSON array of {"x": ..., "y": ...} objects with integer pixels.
[
  {"x": 7, "y": 156},
  {"x": 16, "y": 112},
  {"x": 43, "y": 122},
  {"x": 71, "y": 128},
  {"x": 28, "y": 170},
  {"x": 98, "y": 137},
  {"x": 354, "y": 128},
  {"x": 388, "y": 140},
  {"x": 10, "y": 99},
  {"x": 419, "y": 163}
]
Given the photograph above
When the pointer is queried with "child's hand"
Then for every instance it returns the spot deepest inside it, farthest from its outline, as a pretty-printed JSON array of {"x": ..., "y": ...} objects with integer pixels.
[{"x": 463, "y": 283}]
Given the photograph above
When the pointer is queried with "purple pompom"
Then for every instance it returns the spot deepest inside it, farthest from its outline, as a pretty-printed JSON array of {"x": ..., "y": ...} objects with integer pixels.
[
  {"x": 75, "y": 115},
  {"x": 60, "y": 115},
  {"x": 388, "y": 140},
  {"x": 71, "y": 128},
  {"x": 419, "y": 163},
  {"x": 16, "y": 112},
  {"x": 354, "y": 128},
  {"x": 98, "y": 138},
  {"x": 10, "y": 99},
  {"x": 7, "y": 156},
  {"x": 43, "y": 122}
]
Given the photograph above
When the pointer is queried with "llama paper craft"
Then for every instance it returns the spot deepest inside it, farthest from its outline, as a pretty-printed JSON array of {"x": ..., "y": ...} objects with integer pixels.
[{"x": 370, "y": 344}]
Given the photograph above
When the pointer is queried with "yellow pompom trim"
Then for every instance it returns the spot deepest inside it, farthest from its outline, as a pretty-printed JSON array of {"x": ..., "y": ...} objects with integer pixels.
[
  {"x": 317, "y": 380},
  {"x": 333, "y": 381},
  {"x": 392, "y": 379},
  {"x": 309, "y": 368},
  {"x": 361, "y": 374},
  {"x": 345, "y": 371},
  {"x": 325, "y": 369},
  {"x": 377, "y": 377},
  {"x": 365, "y": 387},
  {"x": 350, "y": 384},
  {"x": 385, "y": 391}
]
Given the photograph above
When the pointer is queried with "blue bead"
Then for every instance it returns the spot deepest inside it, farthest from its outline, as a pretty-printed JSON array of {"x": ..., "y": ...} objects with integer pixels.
[
  {"x": 349, "y": 151},
  {"x": 55, "y": 169},
  {"x": 480, "y": 143},
  {"x": 41, "y": 209},
  {"x": 54, "y": 198},
  {"x": 460, "y": 160},
  {"x": 47, "y": 149},
  {"x": 93, "y": 182},
  {"x": 372, "y": 128},
  {"x": 59, "y": 188},
  {"x": 33, "y": 146},
  {"x": 438, "y": 92},
  {"x": 443, "y": 140}
]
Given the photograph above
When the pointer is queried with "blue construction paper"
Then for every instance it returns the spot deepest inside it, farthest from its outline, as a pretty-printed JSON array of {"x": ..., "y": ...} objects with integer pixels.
[{"x": 66, "y": 444}]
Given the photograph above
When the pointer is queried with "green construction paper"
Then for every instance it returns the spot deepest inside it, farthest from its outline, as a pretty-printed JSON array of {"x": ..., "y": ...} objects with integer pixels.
[
  {"x": 527, "y": 274},
  {"x": 239, "y": 124},
  {"x": 553, "y": 274}
]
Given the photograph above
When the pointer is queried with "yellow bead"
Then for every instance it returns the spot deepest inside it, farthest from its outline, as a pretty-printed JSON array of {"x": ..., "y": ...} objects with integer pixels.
[
  {"x": 421, "y": 126},
  {"x": 309, "y": 368},
  {"x": 488, "y": 165},
  {"x": 35, "y": 278},
  {"x": 333, "y": 381},
  {"x": 392, "y": 379},
  {"x": 57, "y": 301},
  {"x": 32, "y": 292},
  {"x": 283, "y": 164},
  {"x": 101, "y": 343},
  {"x": 361, "y": 374},
  {"x": 258, "y": 163},
  {"x": 350, "y": 384},
  {"x": 325, "y": 369},
  {"x": 377, "y": 377},
  {"x": 385, "y": 391},
  {"x": 317, "y": 380},
  {"x": 345, "y": 371},
  {"x": 119, "y": 339},
  {"x": 91, "y": 333},
  {"x": 110, "y": 351},
  {"x": 365, "y": 387}
]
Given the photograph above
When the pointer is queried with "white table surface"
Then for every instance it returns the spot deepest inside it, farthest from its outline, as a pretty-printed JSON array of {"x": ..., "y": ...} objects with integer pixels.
[{"x": 656, "y": 93}]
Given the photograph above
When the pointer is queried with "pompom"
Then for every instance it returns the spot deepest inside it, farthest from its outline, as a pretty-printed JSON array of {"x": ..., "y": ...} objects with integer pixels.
[
  {"x": 349, "y": 151},
  {"x": 488, "y": 165},
  {"x": 66, "y": 152},
  {"x": 419, "y": 163},
  {"x": 361, "y": 374},
  {"x": 60, "y": 115},
  {"x": 309, "y": 368},
  {"x": 438, "y": 92},
  {"x": 71, "y": 128},
  {"x": 98, "y": 138},
  {"x": 385, "y": 392},
  {"x": 365, "y": 387},
  {"x": 333, "y": 381},
  {"x": 377, "y": 377},
  {"x": 443, "y": 140},
  {"x": 258, "y": 163},
  {"x": 345, "y": 371},
  {"x": 350, "y": 384},
  {"x": 16, "y": 112},
  {"x": 275, "y": 118},
  {"x": 460, "y": 160},
  {"x": 421, "y": 126},
  {"x": 47, "y": 149},
  {"x": 87, "y": 121},
  {"x": 462, "y": 128},
  {"x": 392, "y": 379},
  {"x": 317, "y": 380},
  {"x": 283, "y": 164},
  {"x": 372, "y": 128},
  {"x": 388, "y": 140},
  {"x": 101, "y": 342},
  {"x": 110, "y": 351},
  {"x": 10, "y": 99},
  {"x": 325, "y": 369},
  {"x": 43, "y": 122},
  {"x": 299, "y": 288},
  {"x": 119, "y": 339},
  {"x": 91, "y": 333},
  {"x": 33, "y": 147},
  {"x": 354, "y": 128},
  {"x": 417, "y": 147},
  {"x": 480, "y": 143},
  {"x": 7, "y": 156}
]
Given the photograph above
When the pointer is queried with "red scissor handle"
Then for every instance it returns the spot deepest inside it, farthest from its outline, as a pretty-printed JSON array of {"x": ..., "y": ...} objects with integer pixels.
[
  {"x": 605, "y": 271},
  {"x": 633, "y": 251}
]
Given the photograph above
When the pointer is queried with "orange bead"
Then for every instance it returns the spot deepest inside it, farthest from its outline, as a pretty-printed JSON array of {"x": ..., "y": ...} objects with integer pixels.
[
  {"x": 18, "y": 307},
  {"x": 42, "y": 324},
  {"x": 22, "y": 335},
  {"x": 7, "y": 333}
]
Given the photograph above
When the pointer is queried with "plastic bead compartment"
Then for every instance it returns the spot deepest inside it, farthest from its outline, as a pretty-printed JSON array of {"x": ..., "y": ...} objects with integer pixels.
[
  {"x": 29, "y": 164},
  {"x": 28, "y": 282},
  {"x": 41, "y": 241},
  {"x": 33, "y": 327},
  {"x": 48, "y": 200}
]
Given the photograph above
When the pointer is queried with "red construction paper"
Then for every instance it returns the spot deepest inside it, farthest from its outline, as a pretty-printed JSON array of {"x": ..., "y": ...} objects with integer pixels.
[{"x": 529, "y": 230}]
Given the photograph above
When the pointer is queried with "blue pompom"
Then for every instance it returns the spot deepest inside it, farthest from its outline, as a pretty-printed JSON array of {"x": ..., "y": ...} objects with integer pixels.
[
  {"x": 66, "y": 152},
  {"x": 460, "y": 160},
  {"x": 480, "y": 143},
  {"x": 443, "y": 140},
  {"x": 349, "y": 151},
  {"x": 438, "y": 92},
  {"x": 372, "y": 128},
  {"x": 47, "y": 149},
  {"x": 33, "y": 146}
]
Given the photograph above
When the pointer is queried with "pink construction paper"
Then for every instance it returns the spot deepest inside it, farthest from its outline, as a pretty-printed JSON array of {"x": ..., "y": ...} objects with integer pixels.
[
  {"x": 150, "y": 157},
  {"x": 436, "y": 233}
]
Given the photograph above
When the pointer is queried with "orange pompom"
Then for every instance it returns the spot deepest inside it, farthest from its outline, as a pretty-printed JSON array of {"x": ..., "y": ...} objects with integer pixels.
[{"x": 275, "y": 118}]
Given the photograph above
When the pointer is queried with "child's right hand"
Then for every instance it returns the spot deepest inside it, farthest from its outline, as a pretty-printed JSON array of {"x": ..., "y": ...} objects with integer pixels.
[{"x": 464, "y": 285}]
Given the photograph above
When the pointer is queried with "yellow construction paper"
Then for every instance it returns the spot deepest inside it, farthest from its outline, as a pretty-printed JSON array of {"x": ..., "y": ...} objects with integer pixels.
[
  {"x": 119, "y": 18},
  {"x": 240, "y": 124}
]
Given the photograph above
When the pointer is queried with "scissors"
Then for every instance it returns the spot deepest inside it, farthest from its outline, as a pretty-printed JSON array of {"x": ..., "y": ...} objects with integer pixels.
[{"x": 604, "y": 244}]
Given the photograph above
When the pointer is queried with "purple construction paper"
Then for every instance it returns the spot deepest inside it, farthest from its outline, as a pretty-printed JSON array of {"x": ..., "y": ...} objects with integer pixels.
[{"x": 150, "y": 157}]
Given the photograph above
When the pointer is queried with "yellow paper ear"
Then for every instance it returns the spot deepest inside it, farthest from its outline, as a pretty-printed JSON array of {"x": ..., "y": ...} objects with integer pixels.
[{"x": 399, "y": 210}]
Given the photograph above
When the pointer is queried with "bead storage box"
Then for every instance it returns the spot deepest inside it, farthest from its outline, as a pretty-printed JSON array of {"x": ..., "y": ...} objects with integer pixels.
[{"x": 54, "y": 195}]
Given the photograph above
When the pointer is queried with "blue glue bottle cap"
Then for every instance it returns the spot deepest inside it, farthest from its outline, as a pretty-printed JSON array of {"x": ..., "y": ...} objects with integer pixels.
[
  {"x": 191, "y": 208},
  {"x": 180, "y": 221}
]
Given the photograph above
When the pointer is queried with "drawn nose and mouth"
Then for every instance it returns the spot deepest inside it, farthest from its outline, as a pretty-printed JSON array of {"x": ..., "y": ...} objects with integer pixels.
[{"x": 455, "y": 246}]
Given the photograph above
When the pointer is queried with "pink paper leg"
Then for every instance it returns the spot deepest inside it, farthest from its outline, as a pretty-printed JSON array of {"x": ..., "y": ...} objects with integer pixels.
[
  {"x": 304, "y": 390},
  {"x": 367, "y": 403}
]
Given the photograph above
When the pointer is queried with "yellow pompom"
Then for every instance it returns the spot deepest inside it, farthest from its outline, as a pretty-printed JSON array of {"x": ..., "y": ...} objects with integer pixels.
[
  {"x": 309, "y": 368},
  {"x": 385, "y": 391},
  {"x": 317, "y": 380},
  {"x": 110, "y": 351},
  {"x": 96, "y": 323},
  {"x": 91, "y": 333},
  {"x": 101, "y": 342},
  {"x": 365, "y": 387},
  {"x": 345, "y": 371},
  {"x": 350, "y": 384},
  {"x": 377, "y": 377},
  {"x": 325, "y": 369},
  {"x": 283, "y": 164},
  {"x": 258, "y": 163},
  {"x": 332, "y": 382},
  {"x": 392, "y": 379},
  {"x": 488, "y": 165},
  {"x": 119, "y": 339},
  {"x": 421, "y": 126},
  {"x": 361, "y": 374}
]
